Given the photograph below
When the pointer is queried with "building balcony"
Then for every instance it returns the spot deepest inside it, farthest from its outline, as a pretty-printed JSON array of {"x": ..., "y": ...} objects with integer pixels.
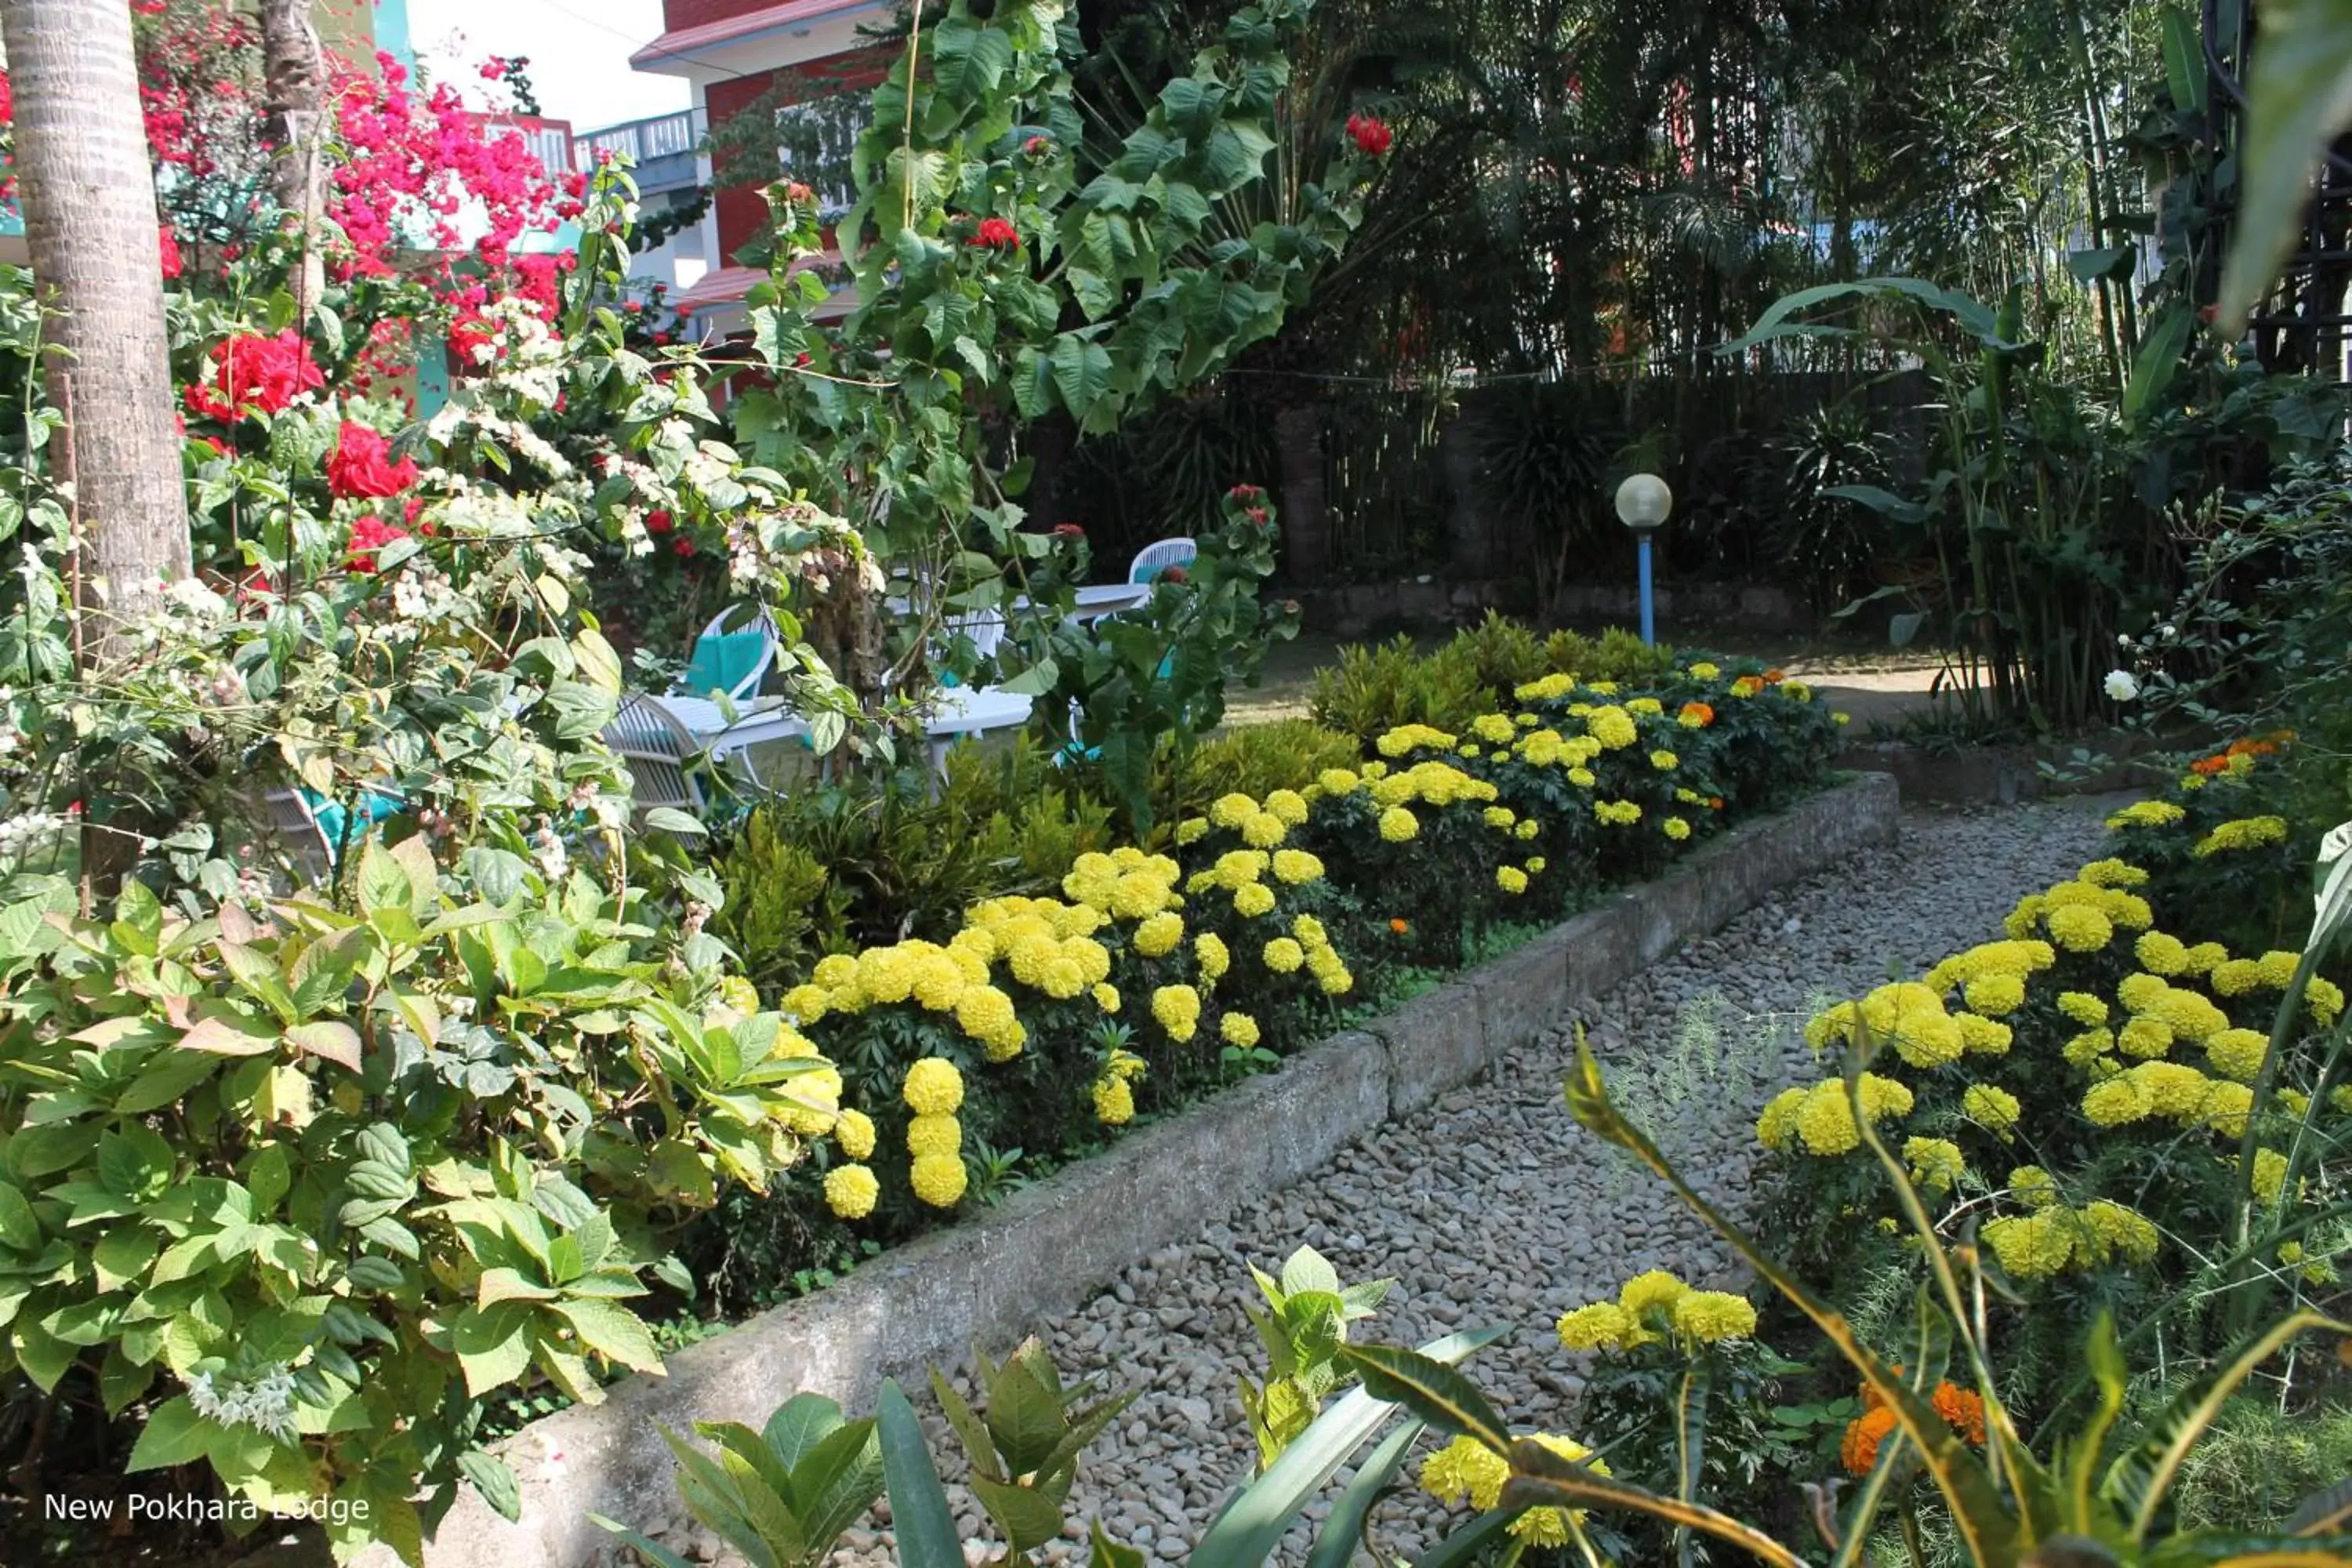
[{"x": 660, "y": 149}]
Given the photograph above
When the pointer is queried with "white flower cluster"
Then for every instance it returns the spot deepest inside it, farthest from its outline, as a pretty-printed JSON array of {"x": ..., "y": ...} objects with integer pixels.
[{"x": 265, "y": 1402}]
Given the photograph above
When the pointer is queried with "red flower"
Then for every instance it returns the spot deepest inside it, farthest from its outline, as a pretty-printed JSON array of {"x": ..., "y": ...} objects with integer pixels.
[
  {"x": 659, "y": 522},
  {"x": 255, "y": 375},
  {"x": 1037, "y": 146},
  {"x": 1068, "y": 530},
  {"x": 682, "y": 544},
  {"x": 1174, "y": 575},
  {"x": 1371, "y": 137},
  {"x": 171, "y": 251},
  {"x": 1244, "y": 493},
  {"x": 360, "y": 465},
  {"x": 1256, "y": 514},
  {"x": 493, "y": 68},
  {"x": 996, "y": 235},
  {"x": 369, "y": 534}
]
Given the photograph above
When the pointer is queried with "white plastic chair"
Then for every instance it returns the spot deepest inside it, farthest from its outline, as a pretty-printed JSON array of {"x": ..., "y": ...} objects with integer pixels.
[
  {"x": 1154, "y": 559},
  {"x": 656, "y": 749},
  {"x": 297, "y": 826},
  {"x": 764, "y": 623}
]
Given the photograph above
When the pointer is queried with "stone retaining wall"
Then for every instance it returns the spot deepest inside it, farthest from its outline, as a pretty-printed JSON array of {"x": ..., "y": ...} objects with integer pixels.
[{"x": 1046, "y": 1249}]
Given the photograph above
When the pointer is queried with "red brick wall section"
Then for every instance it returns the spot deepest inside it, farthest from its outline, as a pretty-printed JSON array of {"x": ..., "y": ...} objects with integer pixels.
[{"x": 742, "y": 211}]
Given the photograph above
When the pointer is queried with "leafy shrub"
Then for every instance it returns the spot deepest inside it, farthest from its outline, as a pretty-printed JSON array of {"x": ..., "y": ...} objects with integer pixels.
[
  {"x": 1616, "y": 655},
  {"x": 1386, "y": 686},
  {"x": 339, "y": 1179},
  {"x": 1257, "y": 760}
]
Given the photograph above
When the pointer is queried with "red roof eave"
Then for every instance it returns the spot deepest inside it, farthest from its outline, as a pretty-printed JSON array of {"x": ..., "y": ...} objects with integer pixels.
[{"x": 681, "y": 43}]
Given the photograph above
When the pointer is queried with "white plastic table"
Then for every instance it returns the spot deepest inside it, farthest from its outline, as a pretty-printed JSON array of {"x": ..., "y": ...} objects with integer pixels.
[{"x": 959, "y": 712}]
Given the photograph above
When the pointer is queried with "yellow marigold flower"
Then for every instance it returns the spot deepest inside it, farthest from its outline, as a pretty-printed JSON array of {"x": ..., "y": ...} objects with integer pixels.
[
  {"x": 1283, "y": 955},
  {"x": 1063, "y": 978},
  {"x": 1238, "y": 1029},
  {"x": 1617, "y": 813},
  {"x": 2192, "y": 1017},
  {"x": 1527, "y": 829},
  {"x": 2032, "y": 1187},
  {"x": 1796, "y": 691},
  {"x": 1209, "y": 950},
  {"x": 2325, "y": 999},
  {"x": 1288, "y": 807},
  {"x": 2144, "y": 1038},
  {"x": 2110, "y": 1231},
  {"x": 1937, "y": 1164},
  {"x": 1675, "y": 829},
  {"x": 2111, "y": 872},
  {"x": 2161, "y": 954},
  {"x": 2139, "y": 992},
  {"x": 1704, "y": 670},
  {"x": 850, "y": 1190},
  {"x": 1646, "y": 1292},
  {"x": 2146, "y": 813},
  {"x": 1338, "y": 781},
  {"x": 1495, "y": 729},
  {"x": 1406, "y": 738},
  {"x": 1664, "y": 762},
  {"x": 1106, "y": 998},
  {"x": 2021, "y": 921},
  {"x": 2315, "y": 1270},
  {"x": 1612, "y": 727},
  {"x": 852, "y": 1135},
  {"x": 1296, "y": 865},
  {"x": 1536, "y": 863},
  {"x": 1157, "y": 936},
  {"x": 1778, "y": 1125},
  {"x": 1231, "y": 810},
  {"x": 804, "y": 1003},
  {"x": 1511, "y": 879},
  {"x": 1398, "y": 825},
  {"x": 2082, "y": 1007},
  {"x": 2079, "y": 930},
  {"x": 2270, "y": 1175},
  {"x": 1991, "y": 1107},
  {"x": 1192, "y": 830},
  {"x": 1177, "y": 1008},
  {"x": 2246, "y": 833},
  {"x": 2034, "y": 1246},
  {"x": 1263, "y": 830},
  {"x": 1994, "y": 994},
  {"x": 1603, "y": 1326},
  {"x": 933, "y": 1088},
  {"x": 1139, "y": 894},
  {"x": 2227, "y": 1105},
  {"x": 2116, "y": 1102},
  {"x": 1710, "y": 1316},
  {"x": 2236, "y": 977},
  {"x": 1374, "y": 771},
  {"x": 1114, "y": 1101},
  {"x": 1983, "y": 1036},
  {"x": 1465, "y": 1468},
  {"x": 938, "y": 1180},
  {"x": 1825, "y": 1121},
  {"x": 934, "y": 1135},
  {"x": 2174, "y": 1090},
  {"x": 2278, "y": 967},
  {"x": 1649, "y": 705},
  {"x": 1330, "y": 973},
  {"x": 1253, "y": 901},
  {"x": 1500, "y": 816},
  {"x": 1910, "y": 1017}
]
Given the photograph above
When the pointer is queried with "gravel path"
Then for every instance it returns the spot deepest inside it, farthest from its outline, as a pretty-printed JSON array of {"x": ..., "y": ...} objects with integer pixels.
[{"x": 1493, "y": 1206}]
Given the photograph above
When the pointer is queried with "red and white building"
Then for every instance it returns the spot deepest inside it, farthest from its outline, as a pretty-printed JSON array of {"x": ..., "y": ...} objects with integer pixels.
[{"x": 737, "y": 53}]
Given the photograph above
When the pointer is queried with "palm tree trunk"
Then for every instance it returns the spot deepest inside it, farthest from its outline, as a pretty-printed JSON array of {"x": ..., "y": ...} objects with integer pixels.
[
  {"x": 88, "y": 199},
  {"x": 293, "y": 76}
]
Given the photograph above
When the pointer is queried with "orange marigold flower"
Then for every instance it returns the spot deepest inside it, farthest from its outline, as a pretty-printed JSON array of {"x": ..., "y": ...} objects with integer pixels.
[
  {"x": 2212, "y": 765},
  {"x": 1697, "y": 715},
  {"x": 1962, "y": 1410},
  {"x": 1774, "y": 677},
  {"x": 1859, "y": 1451},
  {"x": 1715, "y": 803},
  {"x": 1400, "y": 925}
]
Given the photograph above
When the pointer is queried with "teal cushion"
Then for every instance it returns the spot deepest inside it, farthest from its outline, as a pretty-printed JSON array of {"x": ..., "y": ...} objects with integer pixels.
[
  {"x": 723, "y": 660},
  {"x": 334, "y": 818}
]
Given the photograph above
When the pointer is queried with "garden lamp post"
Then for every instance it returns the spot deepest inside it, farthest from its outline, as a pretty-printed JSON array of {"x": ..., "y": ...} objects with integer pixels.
[{"x": 1643, "y": 502}]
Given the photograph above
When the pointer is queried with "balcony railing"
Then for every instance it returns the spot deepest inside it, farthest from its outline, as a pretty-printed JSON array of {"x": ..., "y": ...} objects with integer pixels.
[{"x": 639, "y": 140}]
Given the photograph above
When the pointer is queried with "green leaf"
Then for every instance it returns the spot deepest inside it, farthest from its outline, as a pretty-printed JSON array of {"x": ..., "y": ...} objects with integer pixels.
[
  {"x": 836, "y": 1481},
  {"x": 493, "y": 1480},
  {"x": 1027, "y": 1517},
  {"x": 1105, "y": 1553},
  {"x": 18, "y": 1228},
  {"x": 174, "y": 1434},
  {"x": 918, "y": 1504},
  {"x": 335, "y": 1042},
  {"x": 2299, "y": 95},
  {"x": 1307, "y": 1269},
  {"x": 1779, "y": 319},
  {"x": 1430, "y": 1389},
  {"x": 492, "y": 1344},
  {"x": 798, "y": 1425},
  {"x": 614, "y": 1333},
  {"x": 2158, "y": 360}
]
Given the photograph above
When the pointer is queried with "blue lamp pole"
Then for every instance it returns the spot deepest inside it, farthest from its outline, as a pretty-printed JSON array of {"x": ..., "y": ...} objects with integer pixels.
[{"x": 1643, "y": 503}]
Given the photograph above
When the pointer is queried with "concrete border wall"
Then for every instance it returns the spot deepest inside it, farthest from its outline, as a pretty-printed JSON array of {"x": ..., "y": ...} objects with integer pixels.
[{"x": 1050, "y": 1247}]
